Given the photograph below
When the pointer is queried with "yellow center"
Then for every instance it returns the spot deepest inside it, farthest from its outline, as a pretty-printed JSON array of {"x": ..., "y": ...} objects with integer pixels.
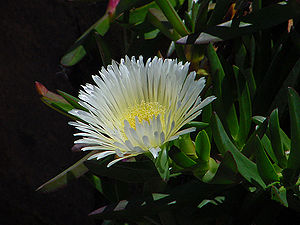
[{"x": 144, "y": 111}]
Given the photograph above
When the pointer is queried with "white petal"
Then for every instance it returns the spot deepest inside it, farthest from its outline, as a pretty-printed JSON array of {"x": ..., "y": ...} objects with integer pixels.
[
  {"x": 101, "y": 155},
  {"x": 155, "y": 151}
]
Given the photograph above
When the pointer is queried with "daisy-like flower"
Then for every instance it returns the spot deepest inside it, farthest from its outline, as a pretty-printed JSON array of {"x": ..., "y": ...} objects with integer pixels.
[{"x": 136, "y": 107}]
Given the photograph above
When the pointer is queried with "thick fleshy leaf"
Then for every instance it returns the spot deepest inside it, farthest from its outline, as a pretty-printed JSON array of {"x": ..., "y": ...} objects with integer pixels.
[
  {"x": 200, "y": 17},
  {"x": 286, "y": 141},
  {"x": 264, "y": 165},
  {"x": 62, "y": 103},
  {"x": 72, "y": 100},
  {"x": 206, "y": 171},
  {"x": 65, "y": 177},
  {"x": 73, "y": 56},
  {"x": 216, "y": 201},
  {"x": 197, "y": 124},
  {"x": 245, "y": 166},
  {"x": 279, "y": 195},
  {"x": 103, "y": 50},
  {"x": 95, "y": 182},
  {"x": 138, "y": 10},
  {"x": 44, "y": 92},
  {"x": 60, "y": 107},
  {"x": 202, "y": 146},
  {"x": 158, "y": 19},
  {"x": 180, "y": 158},
  {"x": 137, "y": 15},
  {"x": 258, "y": 119},
  {"x": 130, "y": 172},
  {"x": 173, "y": 17},
  {"x": 275, "y": 139},
  {"x": 245, "y": 109},
  {"x": 227, "y": 172},
  {"x": 224, "y": 103},
  {"x": 294, "y": 108},
  {"x": 206, "y": 114},
  {"x": 186, "y": 145},
  {"x": 249, "y": 148},
  {"x": 125, "y": 5},
  {"x": 217, "y": 70},
  {"x": 265, "y": 141},
  {"x": 162, "y": 164}
]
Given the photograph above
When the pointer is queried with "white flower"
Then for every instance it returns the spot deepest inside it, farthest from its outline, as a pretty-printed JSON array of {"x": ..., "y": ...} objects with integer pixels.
[{"x": 135, "y": 107}]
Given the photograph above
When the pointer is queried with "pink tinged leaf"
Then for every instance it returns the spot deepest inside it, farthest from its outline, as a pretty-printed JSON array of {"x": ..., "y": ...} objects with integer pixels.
[
  {"x": 112, "y": 5},
  {"x": 44, "y": 92}
]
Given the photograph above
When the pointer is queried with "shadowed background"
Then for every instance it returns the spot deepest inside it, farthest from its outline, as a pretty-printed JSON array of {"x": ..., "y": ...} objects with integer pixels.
[{"x": 36, "y": 140}]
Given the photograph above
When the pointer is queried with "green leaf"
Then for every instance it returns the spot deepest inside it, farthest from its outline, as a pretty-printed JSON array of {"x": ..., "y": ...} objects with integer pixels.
[
  {"x": 197, "y": 124},
  {"x": 206, "y": 171},
  {"x": 227, "y": 172},
  {"x": 130, "y": 172},
  {"x": 158, "y": 19},
  {"x": 202, "y": 146},
  {"x": 151, "y": 34},
  {"x": 59, "y": 107},
  {"x": 200, "y": 18},
  {"x": 268, "y": 148},
  {"x": 216, "y": 201},
  {"x": 181, "y": 158},
  {"x": 217, "y": 70},
  {"x": 172, "y": 16},
  {"x": 248, "y": 150},
  {"x": 138, "y": 15},
  {"x": 276, "y": 139},
  {"x": 103, "y": 49},
  {"x": 286, "y": 141},
  {"x": 125, "y": 5},
  {"x": 95, "y": 182},
  {"x": 294, "y": 108},
  {"x": 264, "y": 165},
  {"x": 245, "y": 109},
  {"x": 49, "y": 95},
  {"x": 73, "y": 56},
  {"x": 258, "y": 119},
  {"x": 162, "y": 164},
  {"x": 224, "y": 102},
  {"x": 279, "y": 195},
  {"x": 62, "y": 179},
  {"x": 72, "y": 100},
  {"x": 186, "y": 145},
  {"x": 245, "y": 167},
  {"x": 206, "y": 114}
]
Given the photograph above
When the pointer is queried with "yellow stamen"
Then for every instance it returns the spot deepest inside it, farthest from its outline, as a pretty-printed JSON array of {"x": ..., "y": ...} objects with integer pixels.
[{"x": 144, "y": 111}]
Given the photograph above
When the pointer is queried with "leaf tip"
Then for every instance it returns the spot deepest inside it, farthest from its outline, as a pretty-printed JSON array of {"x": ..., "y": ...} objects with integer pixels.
[{"x": 41, "y": 89}]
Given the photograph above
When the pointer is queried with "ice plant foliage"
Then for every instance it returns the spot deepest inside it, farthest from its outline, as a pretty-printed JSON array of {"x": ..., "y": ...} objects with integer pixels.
[{"x": 136, "y": 107}]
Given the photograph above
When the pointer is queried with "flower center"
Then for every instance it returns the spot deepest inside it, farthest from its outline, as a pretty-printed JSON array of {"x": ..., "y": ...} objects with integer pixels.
[{"x": 144, "y": 111}]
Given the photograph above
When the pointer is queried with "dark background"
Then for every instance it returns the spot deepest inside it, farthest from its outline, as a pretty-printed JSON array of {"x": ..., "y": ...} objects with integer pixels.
[{"x": 36, "y": 140}]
